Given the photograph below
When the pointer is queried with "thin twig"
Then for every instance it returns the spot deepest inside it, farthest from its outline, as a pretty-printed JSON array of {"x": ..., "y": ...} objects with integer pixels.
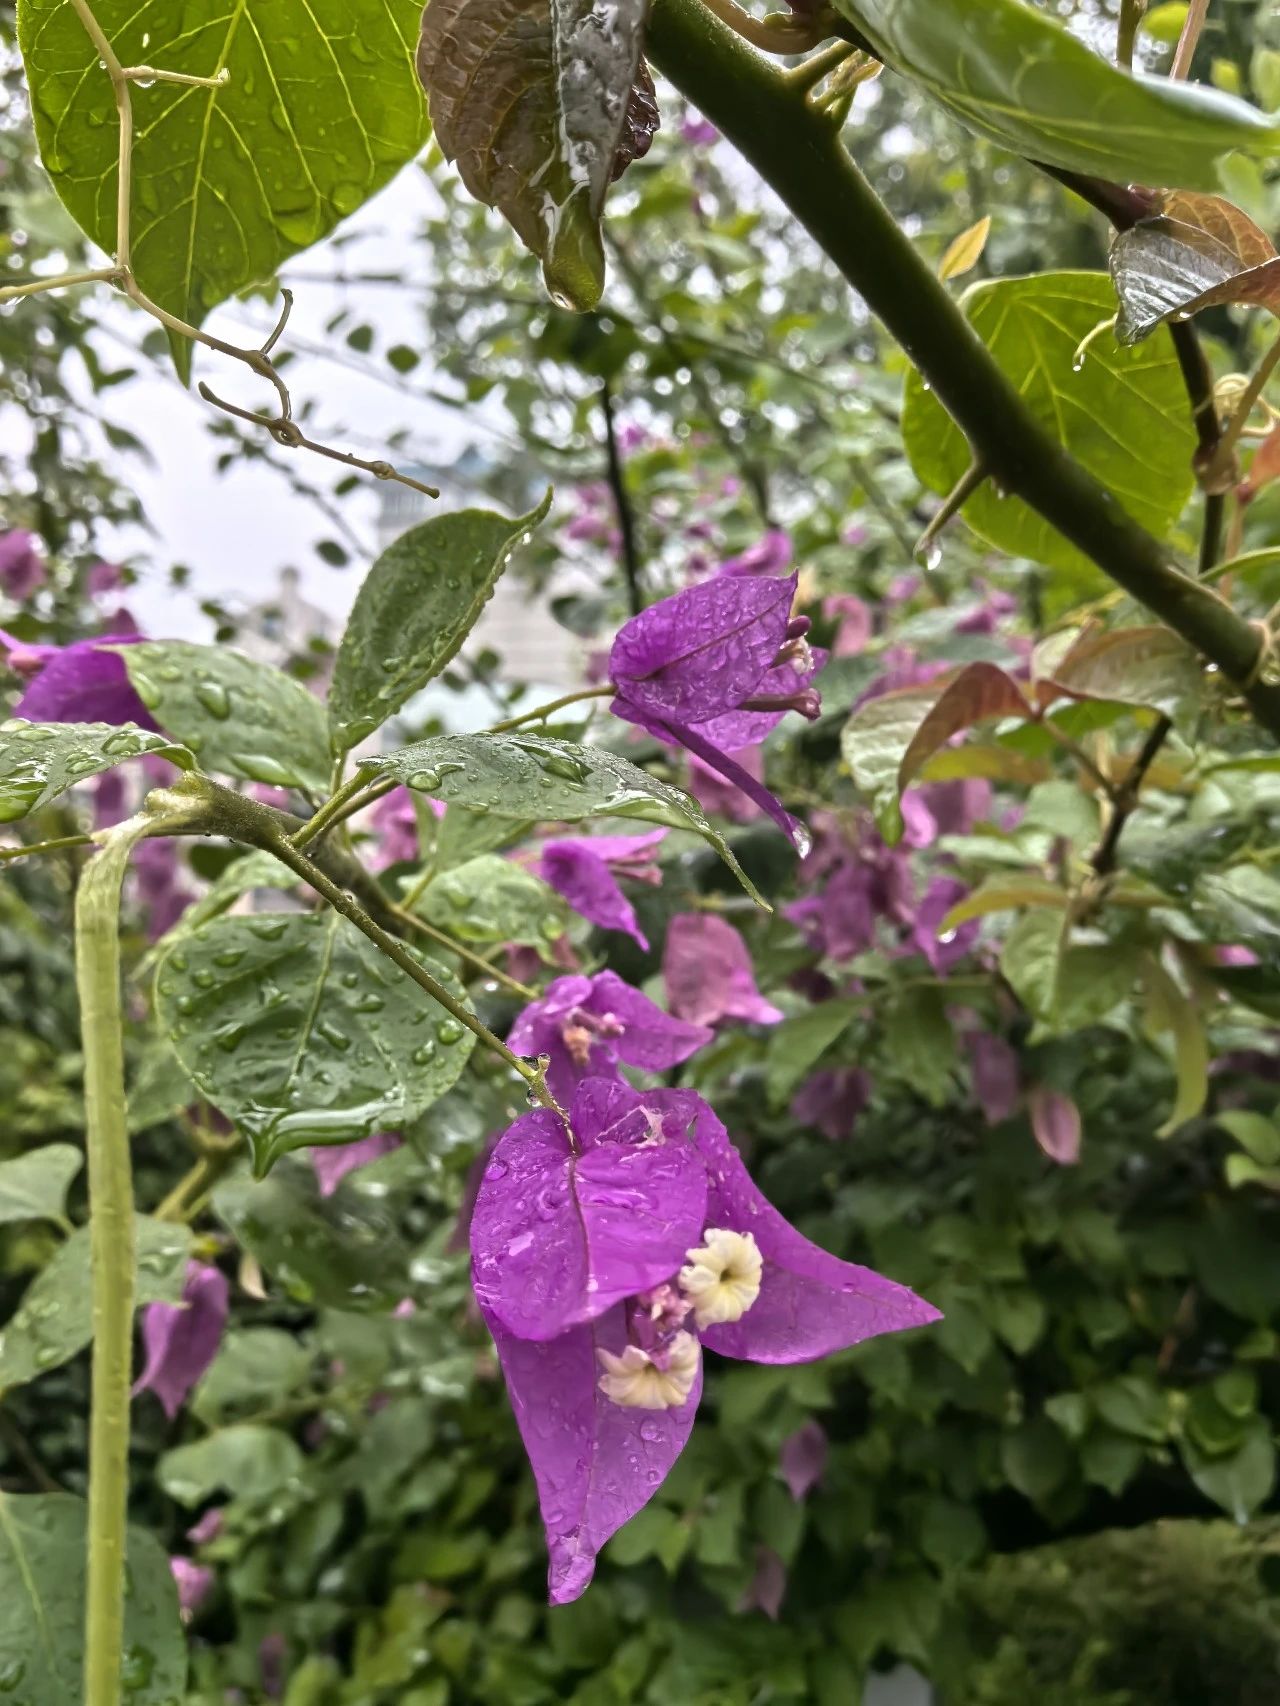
[
  {"x": 541, "y": 712},
  {"x": 1124, "y": 799},
  {"x": 621, "y": 503},
  {"x": 1127, "y": 30},
  {"x": 1189, "y": 40},
  {"x": 60, "y": 281},
  {"x": 411, "y": 921},
  {"x": 54, "y": 846}
]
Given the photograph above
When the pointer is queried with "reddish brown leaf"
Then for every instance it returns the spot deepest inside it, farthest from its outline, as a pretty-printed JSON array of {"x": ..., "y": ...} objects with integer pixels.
[
  {"x": 1200, "y": 251},
  {"x": 1150, "y": 667},
  {"x": 980, "y": 693},
  {"x": 1264, "y": 468}
]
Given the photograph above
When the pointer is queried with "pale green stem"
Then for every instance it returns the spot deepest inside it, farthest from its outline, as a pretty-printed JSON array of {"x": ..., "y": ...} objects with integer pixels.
[
  {"x": 541, "y": 712},
  {"x": 330, "y": 812},
  {"x": 55, "y": 846},
  {"x": 1127, "y": 31},
  {"x": 112, "y": 1255}
]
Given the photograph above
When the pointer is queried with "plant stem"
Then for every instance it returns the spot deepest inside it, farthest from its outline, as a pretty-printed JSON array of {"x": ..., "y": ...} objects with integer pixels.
[
  {"x": 1189, "y": 40},
  {"x": 55, "y": 846},
  {"x": 1218, "y": 474},
  {"x": 60, "y": 281},
  {"x": 541, "y": 712},
  {"x": 806, "y": 164},
  {"x": 1127, "y": 30},
  {"x": 111, "y": 1244},
  {"x": 330, "y": 812},
  {"x": 621, "y": 503},
  {"x": 411, "y": 921}
]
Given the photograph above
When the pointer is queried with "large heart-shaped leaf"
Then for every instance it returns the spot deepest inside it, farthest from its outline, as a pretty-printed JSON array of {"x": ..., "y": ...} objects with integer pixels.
[
  {"x": 1015, "y": 74},
  {"x": 39, "y": 761},
  {"x": 34, "y": 1186},
  {"x": 319, "y": 110},
  {"x": 543, "y": 780},
  {"x": 55, "y": 1318},
  {"x": 532, "y": 99},
  {"x": 298, "y": 1029},
  {"x": 417, "y": 605},
  {"x": 1121, "y": 413},
  {"x": 43, "y": 1548},
  {"x": 240, "y": 717},
  {"x": 1197, "y": 251}
]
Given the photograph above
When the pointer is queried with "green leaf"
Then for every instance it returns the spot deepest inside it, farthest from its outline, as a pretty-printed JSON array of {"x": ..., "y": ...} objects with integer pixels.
[
  {"x": 1036, "y": 1458},
  {"x": 300, "y": 1031},
  {"x": 1170, "y": 1011},
  {"x": 240, "y": 717},
  {"x": 1006, "y": 894},
  {"x": 255, "y": 1368},
  {"x": 242, "y": 876},
  {"x": 1132, "y": 1405},
  {"x": 1028, "y": 83},
  {"x": 246, "y": 1461},
  {"x": 39, "y": 761},
  {"x": 464, "y": 834},
  {"x": 490, "y": 899},
  {"x": 1122, "y": 414},
  {"x": 1244, "y": 904},
  {"x": 320, "y": 109},
  {"x": 1241, "y": 1481},
  {"x": 537, "y": 779},
  {"x": 341, "y": 1250},
  {"x": 417, "y": 605},
  {"x": 34, "y": 1186},
  {"x": 54, "y": 1321},
  {"x": 920, "y": 1043},
  {"x": 1148, "y": 667},
  {"x": 43, "y": 1549},
  {"x": 533, "y": 99},
  {"x": 1259, "y": 1136},
  {"x": 797, "y": 1045},
  {"x": 873, "y": 744}
]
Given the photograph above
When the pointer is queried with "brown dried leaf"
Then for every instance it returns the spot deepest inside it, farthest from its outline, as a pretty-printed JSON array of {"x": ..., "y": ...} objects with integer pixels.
[
  {"x": 980, "y": 693},
  {"x": 534, "y": 101},
  {"x": 642, "y": 122}
]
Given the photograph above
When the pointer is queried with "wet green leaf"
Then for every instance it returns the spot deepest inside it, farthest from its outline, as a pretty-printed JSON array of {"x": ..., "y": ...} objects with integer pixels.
[
  {"x": 239, "y": 717},
  {"x": 34, "y": 1186},
  {"x": 799, "y": 1043},
  {"x": 490, "y": 899},
  {"x": 873, "y": 744},
  {"x": 417, "y": 605},
  {"x": 319, "y": 110},
  {"x": 43, "y": 1546},
  {"x": 1121, "y": 412},
  {"x": 55, "y": 1318},
  {"x": 255, "y": 1369},
  {"x": 39, "y": 761},
  {"x": 538, "y": 779},
  {"x": 246, "y": 1461},
  {"x": 301, "y": 1032},
  {"x": 1027, "y": 82},
  {"x": 532, "y": 100},
  {"x": 1242, "y": 1480},
  {"x": 342, "y": 1251}
]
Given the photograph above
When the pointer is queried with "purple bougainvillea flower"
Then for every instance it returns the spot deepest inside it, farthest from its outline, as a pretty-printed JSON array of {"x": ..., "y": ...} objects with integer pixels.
[
  {"x": 713, "y": 669},
  {"x": 104, "y": 579},
  {"x": 1055, "y": 1120},
  {"x": 394, "y": 821},
  {"x": 182, "y": 1339},
  {"x": 605, "y": 1256},
  {"x": 942, "y": 952},
  {"x": 831, "y": 1101},
  {"x": 768, "y": 1586},
  {"x": 993, "y": 1071},
  {"x": 768, "y": 556},
  {"x": 157, "y": 873},
  {"x": 22, "y": 568},
  {"x": 207, "y": 1528},
  {"x": 195, "y": 1584},
  {"x": 699, "y": 131},
  {"x": 719, "y": 798},
  {"x": 585, "y": 870},
  {"x": 856, "y": 623},
  {"x": 587, "y": 1025},
  {"x": 332, "y": 1162},
  {"x": 80, "y": 683},
  {"x": 803, "y": 1459},
  {"x": 708, "y": 973}
]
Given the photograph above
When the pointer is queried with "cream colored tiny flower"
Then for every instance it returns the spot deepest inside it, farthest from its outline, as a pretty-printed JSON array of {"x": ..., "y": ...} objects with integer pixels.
[
  {"x": 722, "y": 1279},
  {"x": 635, "y": 1381}
]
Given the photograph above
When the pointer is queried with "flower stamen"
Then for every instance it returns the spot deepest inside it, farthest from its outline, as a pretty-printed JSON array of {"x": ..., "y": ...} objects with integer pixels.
[{"x": 651, "y": 1380}]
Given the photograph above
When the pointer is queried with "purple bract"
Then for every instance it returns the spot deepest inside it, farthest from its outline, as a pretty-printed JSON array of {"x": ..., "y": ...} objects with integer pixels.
[
  {"x": 708, "y": 973},
  {"x": 585, "y": 870},
  {"x": 80, "y": 683},
  {"x": 605, "y": 1257},
  {"x": 182, "y": 1339}
]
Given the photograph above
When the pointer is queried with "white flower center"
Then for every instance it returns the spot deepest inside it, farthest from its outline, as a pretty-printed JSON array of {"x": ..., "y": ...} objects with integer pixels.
[
  {"x": 636, "y": 1381},
  {"x": 722, "y": 1278}
]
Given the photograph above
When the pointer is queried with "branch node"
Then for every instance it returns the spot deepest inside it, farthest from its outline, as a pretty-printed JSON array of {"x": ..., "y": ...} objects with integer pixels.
[{"x": 927, "y": 550}]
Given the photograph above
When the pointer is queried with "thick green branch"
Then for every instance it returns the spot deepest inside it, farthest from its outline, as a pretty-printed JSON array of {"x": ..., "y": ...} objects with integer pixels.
[{"x": 799, "y": 154}]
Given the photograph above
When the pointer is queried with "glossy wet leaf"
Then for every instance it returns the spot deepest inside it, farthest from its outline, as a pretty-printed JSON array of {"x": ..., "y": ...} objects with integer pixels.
[
  {"x": 539, "y": 779},
  {"x": 1122, "y": 413},
  {"x": 34, "y": 1186},
  {"x": 416, "y": 606},
  {"x": 1028, "y": 83},
  {"x": 797, "y": 1045},
  {"x": 341, "y": 1251},
  {"x": 873, "y": 744},
  {"x": 532, "y": 100},
  {"x": 159, "y": 1089},
  {"x": 255, "y": 1369},
  {"x": 300, "y": 1031},
  {"x": 1242, "y": 906},
  {"x": 54, "y": 1319},
  {"x": 320, "y": 109},
  {"x": 242, "y": 876},
  {"x": 240, "y": 717},
  {"x": 1148, "y": 667},
  {"x": 464, "y": 835},
  {"x": 39, "y": 761},
  {"x": 43, "y": 1544},
  {"x": 490, "y": 899},
  {"x": 981, "y": 693},
  {"x": 1196, "y": 252},
  {"x": 246, "y": 1461}
]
